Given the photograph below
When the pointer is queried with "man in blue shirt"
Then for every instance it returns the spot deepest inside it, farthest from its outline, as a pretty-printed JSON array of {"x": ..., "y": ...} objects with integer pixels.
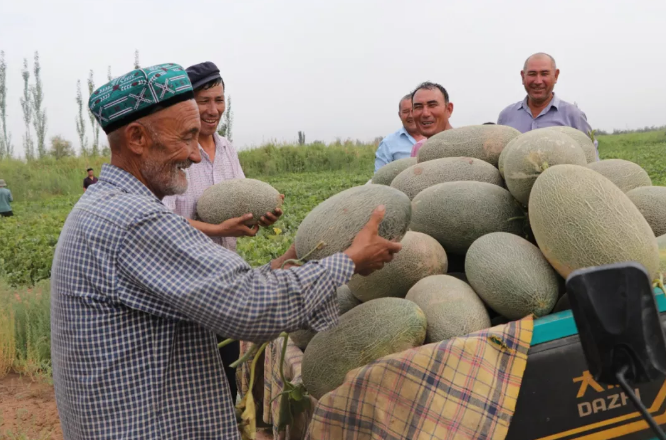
[
  {"x": 541, "y": 107},
  {"x": 398, "y": 145}
]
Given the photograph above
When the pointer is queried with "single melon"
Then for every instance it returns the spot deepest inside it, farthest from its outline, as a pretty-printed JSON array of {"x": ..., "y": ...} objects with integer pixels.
[
  {"x": 511, "y": 275},
  {"x": 418, "y": 177},
  {"x": 346, "y": 302},
  {"x": 583, "y": 141},
  {"x": 581, "y": 219},
  {"x": 420, "y": 256},
  {"x": 651, "y": 202},
  {"x": 366, "y": 333},
  {"x": 533, "y": 152},
  {"x": 332, "y": 225},
  {"x": 484, "y": 142},
  {"x": 235, "y": 197},
  {"x": 623, "y": 173},
  {"x": 502, "y": 156},
  {"x": 457, "y": 213},
  {"x": 386, "y": 174},
  {"x": 451, "y": 306}
]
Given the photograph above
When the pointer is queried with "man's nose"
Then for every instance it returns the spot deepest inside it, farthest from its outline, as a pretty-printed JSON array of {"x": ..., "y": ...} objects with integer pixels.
[
  {"x": 211, "y": 109},
  {"x": 195, "y": 154}
]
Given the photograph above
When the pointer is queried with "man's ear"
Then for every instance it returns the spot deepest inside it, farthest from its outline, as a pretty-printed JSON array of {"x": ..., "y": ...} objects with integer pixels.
[
  {"x": 450, "y": 108},
  {"x": 138, "y": 140},
  {"x": 557, "y": 74}
]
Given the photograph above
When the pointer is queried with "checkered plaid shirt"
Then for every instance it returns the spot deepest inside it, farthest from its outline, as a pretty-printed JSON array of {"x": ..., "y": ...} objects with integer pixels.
[
  {"x": 224, "y": 166},
  {"x": 137, "y": 298}
]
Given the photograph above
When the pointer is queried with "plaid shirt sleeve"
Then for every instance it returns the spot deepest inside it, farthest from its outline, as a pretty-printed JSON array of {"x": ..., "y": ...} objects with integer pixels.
[{"x": 182, "y": 274}]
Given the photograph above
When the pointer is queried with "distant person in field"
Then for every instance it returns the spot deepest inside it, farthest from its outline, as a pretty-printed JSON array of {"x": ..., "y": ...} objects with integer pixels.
[
  {"x": 5, "y": 200},
  {"x": 219, "y": 162},
  {"x": 542, "y": 107},
  {"x": 398, "y": 145},
  {"x": 138, "y": 295},
  {"x": 432, "y": 109},
  {"x": 90, "y": 180}
]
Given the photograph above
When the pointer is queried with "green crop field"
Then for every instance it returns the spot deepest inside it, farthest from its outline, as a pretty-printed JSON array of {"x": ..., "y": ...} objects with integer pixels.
[{"x": 46, "y": 191}]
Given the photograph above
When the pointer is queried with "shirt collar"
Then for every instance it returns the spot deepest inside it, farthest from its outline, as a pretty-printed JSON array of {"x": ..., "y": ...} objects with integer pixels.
[
  {"x": 404, "y": 131},
  {"x": 555, "y": 102},
  {"x": 219, "y": 145},
  {"x": 123, "y": 180}
]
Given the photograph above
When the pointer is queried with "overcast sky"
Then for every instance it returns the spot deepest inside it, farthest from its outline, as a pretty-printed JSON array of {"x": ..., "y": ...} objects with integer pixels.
[{"x": 338, "y": 68}]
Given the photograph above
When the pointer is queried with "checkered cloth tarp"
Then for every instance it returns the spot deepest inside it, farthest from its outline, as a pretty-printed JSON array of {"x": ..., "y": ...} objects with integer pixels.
[{"x": 462, "y": 388}]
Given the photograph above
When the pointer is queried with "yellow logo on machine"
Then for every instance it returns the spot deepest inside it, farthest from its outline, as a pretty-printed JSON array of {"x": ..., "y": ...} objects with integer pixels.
[{"x": 605, "y": 402}]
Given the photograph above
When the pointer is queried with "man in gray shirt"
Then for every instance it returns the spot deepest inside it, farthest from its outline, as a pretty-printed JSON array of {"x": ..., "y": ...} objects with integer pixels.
[
  {"x": 541, "y": 107},
  {"x": 5, "y": 199}
]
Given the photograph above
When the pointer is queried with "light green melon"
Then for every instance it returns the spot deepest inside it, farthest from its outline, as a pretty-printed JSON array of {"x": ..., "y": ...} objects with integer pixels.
[
  {"x": 484, "y": 142},
  {"x": 532, "y": 153},
  {"x": 235, "y": 197},
  {"x": 503, "y": 154},
  {"x": 511, "y": 275},
  {"x": 332, "y": 225},
  {"x": 346, "y": 302},
  {"x": 451, "y": 306},
  {"x": 583, "y": 141},
  {"x": 625, "y": 174},
  {"x": 457, "y": 213},
  {"x": 420, "y": 256},
  {"x": 581, "y": 219},
  {"x": 386, "y": 174},
  {"x": 651, "y": 202},
  {"x": 420, "y": 176},
  {"x": 366, "y": 333}
]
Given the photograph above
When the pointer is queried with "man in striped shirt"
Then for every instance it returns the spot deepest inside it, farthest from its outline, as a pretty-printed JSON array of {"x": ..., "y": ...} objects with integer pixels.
[{"x": 138, "y": 294}]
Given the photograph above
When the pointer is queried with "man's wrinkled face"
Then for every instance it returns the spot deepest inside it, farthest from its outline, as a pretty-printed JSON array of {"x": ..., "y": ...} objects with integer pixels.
[
  {"x": 430, "y": 111},
  {"x": 174, "y": 138},
  {"x": 406, "y": 116},
  {"x": 211, "y": 107},
  {"x": 539, "y": 78}
]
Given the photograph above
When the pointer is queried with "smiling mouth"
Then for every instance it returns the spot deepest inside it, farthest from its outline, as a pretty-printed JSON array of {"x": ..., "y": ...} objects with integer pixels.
[
  {"x": 209, "y": 121},
  {"x": 427, "y": 123}
]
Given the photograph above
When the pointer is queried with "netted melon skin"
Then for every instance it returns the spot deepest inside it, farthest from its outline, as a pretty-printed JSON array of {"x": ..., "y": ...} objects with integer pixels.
[
  {"x": 583, "y": 141},
  {"x": 533, "y": 152},
  {"x": 346, "y": 302},
  {"x": 581, "y": 219},
  {"x": 625, "y": 174},
  {"x": 386, "y": 174},
  {"x": 366, "y": 333},
  {"x": 457, "y": 213},
  {"x": 651, "y": 202},
  {"x": 420, "y": 256},
  {"x": 511, "y": 275},
  {"x": 451, "y": 306},
  {"x": 423, "y": 175},
  {"x": 235, "y": 197},
  {"x": 484, "y": 142},
  {"x": 332, "y": 225}
]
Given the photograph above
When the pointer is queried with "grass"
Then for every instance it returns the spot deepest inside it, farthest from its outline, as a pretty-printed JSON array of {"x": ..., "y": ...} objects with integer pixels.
[{"x": 645, "y": 149}]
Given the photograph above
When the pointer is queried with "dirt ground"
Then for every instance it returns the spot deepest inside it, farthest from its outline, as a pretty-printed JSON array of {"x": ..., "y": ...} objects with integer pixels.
[{"x": 28, "y": 410}]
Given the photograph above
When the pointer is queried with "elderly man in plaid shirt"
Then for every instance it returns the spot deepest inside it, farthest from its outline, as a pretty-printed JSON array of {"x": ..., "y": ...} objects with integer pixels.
[
  {"x": 138, "y": 294},
  {"x": 219, "y": 161}
]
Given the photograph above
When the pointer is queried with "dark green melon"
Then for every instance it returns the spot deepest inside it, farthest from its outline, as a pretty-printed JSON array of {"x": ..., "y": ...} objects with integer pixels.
[
  {"x": 457, "y": 213},
  {"x": 386, "y": 174},
  {"x": 366, "y": 333},
  {"x": 484, "y": 142},
  {"x": 332, "y": 225},
  {"x": 420, "y": 176},
  {"x": 511, "y": 275}
]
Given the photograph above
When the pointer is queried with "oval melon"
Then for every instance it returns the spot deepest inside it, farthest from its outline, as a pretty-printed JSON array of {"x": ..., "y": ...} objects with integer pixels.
[
  {"x": 581, "y": 219},
  {"x": 418, "y": 177},
  {"x": 625, "y": 174},
  {"x": 484, "y": 142},
  {"x": 346, "y": 302},
  {"x": 235, "y": 197},
  {"x": 386, "y": 174},
  {"x": 651, "y": 202},
  {"x": 511, "y": 275},
  {"x": 533, "y": 152},
  {"x": 366, "y": 333},
  {"x": 457, "y": 213},
  {"x": 421, "y": 256},
  {"x": 332, "y": 225},
  {"x": 451, "y": 306},
  {"x": 583, "y": 141}
]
